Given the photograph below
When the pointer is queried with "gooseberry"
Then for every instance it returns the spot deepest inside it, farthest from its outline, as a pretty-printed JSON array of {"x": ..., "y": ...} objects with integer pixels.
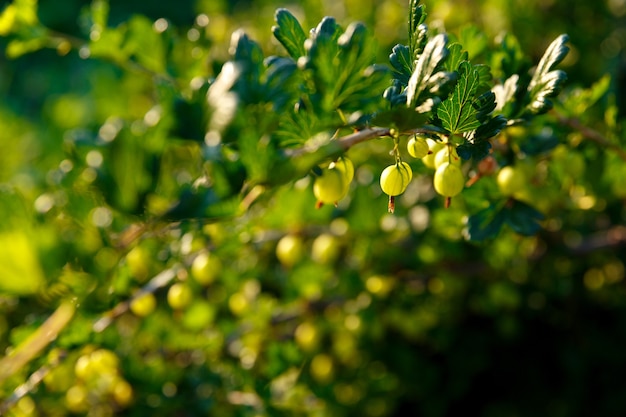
[
  {"x": 433, "y": 147},
  {"x": 344, "y": 165},
  {"x": 331, "y": 186},
  {"x": 418, "y": 146},
  {"x": 179, "y": 296},
  {"x": 143, "y": 304},
  {"x": 395, "y": 178},
  {"x": 447, "y": 154},
  {"x": 205, "y": 268},
  {"x": 511, "y": 180},
  {"x": 325, "y": 249},
  {"x": 448, "y": 180},
  {"x": 289, "y": 250}
]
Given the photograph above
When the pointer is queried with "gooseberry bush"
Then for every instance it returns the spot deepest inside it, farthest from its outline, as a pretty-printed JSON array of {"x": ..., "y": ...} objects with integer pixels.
[{"x": 298, "y": 227}]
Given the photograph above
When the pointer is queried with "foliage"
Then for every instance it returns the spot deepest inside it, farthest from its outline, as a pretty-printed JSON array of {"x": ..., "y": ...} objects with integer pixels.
[{"x": 162, "y": 249}]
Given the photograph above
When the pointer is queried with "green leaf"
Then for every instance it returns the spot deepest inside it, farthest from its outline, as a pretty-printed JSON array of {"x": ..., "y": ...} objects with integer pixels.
[
  {"x": 505, "y": 93},
  {"x": 109, "y": 45},
  {"x": 145, "y": 44},
  {"x": 249, "y": 57},
  {"x": 402, "y": 63},
  {"x": 484, "y": 77},
  {"x": 340, "y": 65},
  {"x": 455, "y": 57},
  {"x": 486, "y": 224},
  {"x": 457, "y": 112},
  {"x": 289, "y": 33},
  {"x": 477, "y": 150},
  {"x": 484, "y": 105},
  {"x": 510, "y": 59},
  {"x": 100, "y": 13},
  {"x": 489, "y": 129},
  {"x": 524, "y": 219},
  {"x": 546, "y": 82},
  {"x": 18, "y": 47},
  {"x": 402, "y": 118},
  {"x": 203, "y": 203},
  {"x": 540, "y": 143},
  {"x": 417, "y": 31},
  {"x": 433, "y": 55},
  {"x": 473, "y": 40},
  {"x": 281, "y": 80}
]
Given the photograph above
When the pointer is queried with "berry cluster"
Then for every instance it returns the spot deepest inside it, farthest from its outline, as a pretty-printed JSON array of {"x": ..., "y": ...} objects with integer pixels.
[{"x": 333, "y": 183}]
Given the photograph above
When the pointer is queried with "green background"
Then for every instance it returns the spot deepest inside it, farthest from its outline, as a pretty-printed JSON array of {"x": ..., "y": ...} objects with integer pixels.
[{"x": 515, "y": 326}]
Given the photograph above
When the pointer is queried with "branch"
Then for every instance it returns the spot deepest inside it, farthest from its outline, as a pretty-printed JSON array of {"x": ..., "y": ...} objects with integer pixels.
[
  {"x": 348, "y": 141},
  {"x": 160, "y": 280},
  {"x": 607, "y": 239},
  {"x": 590, "y": 134}
]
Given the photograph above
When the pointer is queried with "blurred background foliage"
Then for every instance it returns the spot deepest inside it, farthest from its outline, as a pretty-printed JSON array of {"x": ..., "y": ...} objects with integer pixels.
[{"x": 357, "y": 312}]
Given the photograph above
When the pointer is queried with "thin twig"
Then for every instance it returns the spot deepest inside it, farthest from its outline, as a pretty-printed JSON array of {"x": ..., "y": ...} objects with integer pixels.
[{"x": 591, "y": 134}]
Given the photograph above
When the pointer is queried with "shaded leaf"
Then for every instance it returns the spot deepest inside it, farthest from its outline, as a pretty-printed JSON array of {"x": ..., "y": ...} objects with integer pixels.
[
  {"x": 485, "y": 224},
  {"x": 484, "y": 105},
  {"x": 489, "y": 129},
  {"x": 401, "y": 118},
  {"x": 477, "y": 150},
  {"x": 524, "y": 219},
  {"x": 402, "y": 63},
  {"x": 538, "y": 143},
  {"x": 202, "y": 203}
]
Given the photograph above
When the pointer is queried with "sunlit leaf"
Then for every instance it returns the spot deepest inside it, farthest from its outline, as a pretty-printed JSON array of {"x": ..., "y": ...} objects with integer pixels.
[
  {"x": 289, "y": 33},
  {"x": 433, "y": 55},
  {"x": 457, "y": 113}
]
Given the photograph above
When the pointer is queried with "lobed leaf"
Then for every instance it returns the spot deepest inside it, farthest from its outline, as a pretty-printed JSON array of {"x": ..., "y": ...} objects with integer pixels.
[
  {"x": 546, "y": 82},
  {"x": 455, "y": 57},
  {"x": 476, "y": 150},
  {"x": 402, "y": 63},
  {"x": 435, "y": 52},
  {"x": 457, "y": 112},
  {"x": 289, "y": 33},
  {"x": 489, "y": 128},
  {"x": 417, "y": 31}
]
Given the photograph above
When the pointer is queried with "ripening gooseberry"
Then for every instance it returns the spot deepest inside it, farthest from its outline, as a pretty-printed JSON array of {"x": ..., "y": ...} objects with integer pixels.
[
  {"x": 307, "y": 335},
  {"x": 344, "y": 165},
  {"x": 448, "y": 180},
  {"x": 433, "y": 147},
  {"x": 447, "y": 154},
  {"x": 325, "y": 249},
  {"x": 122, "y": 392},
  {"x": 76, "y": 399},
  {"x": 418, "y": 146},
  {"x": 331, "y": 186},
  {"x": 143, "y": 304},
  {"x": 290, "y": 250},
  {"x": 179, "y": 296},
  {"x": 395, "y": 178},
  {"x": 205, "y": 268},
  {"x": 511, "y": 180}
]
